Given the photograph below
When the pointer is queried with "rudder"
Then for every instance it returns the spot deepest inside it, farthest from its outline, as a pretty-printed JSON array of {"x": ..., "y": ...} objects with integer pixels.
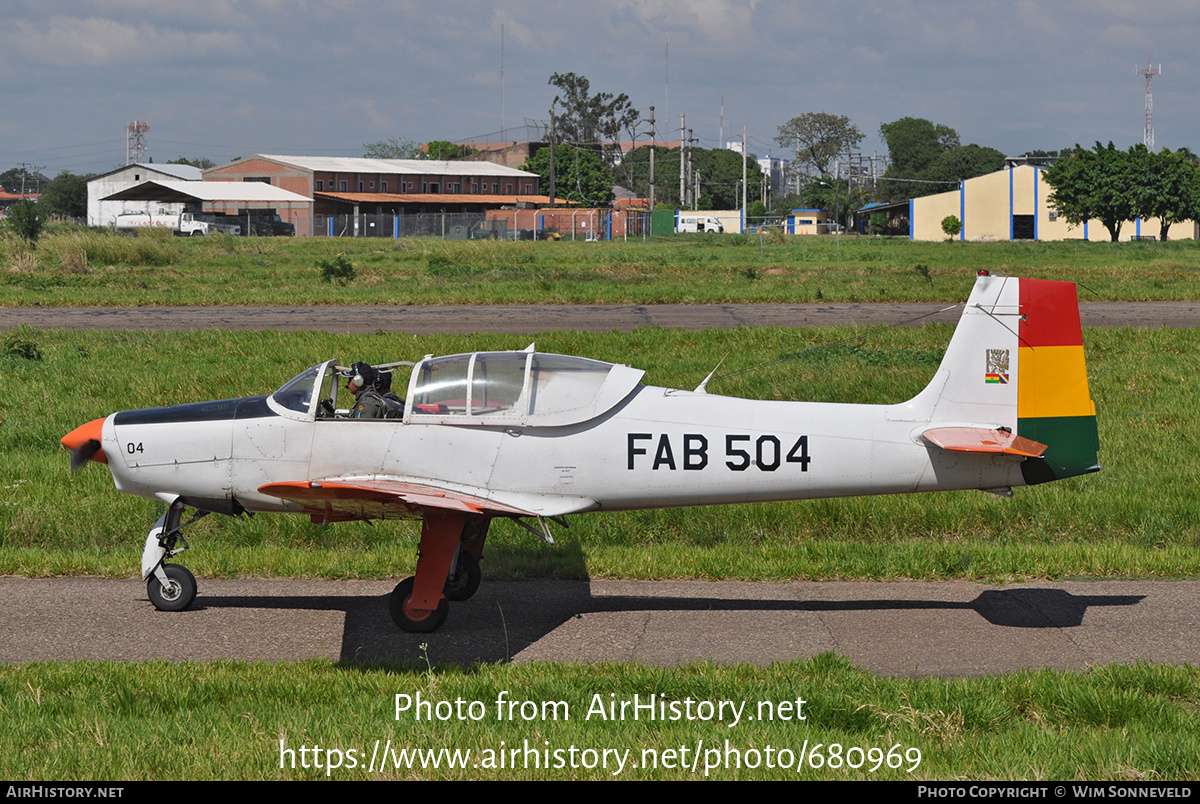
[{"x": 1054, "y": 405}]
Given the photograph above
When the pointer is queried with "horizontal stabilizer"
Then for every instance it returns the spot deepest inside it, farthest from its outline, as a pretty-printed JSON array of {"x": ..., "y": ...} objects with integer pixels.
[
  {"x": 381, "y": 499},
  {"x": 983, "y": 439}
]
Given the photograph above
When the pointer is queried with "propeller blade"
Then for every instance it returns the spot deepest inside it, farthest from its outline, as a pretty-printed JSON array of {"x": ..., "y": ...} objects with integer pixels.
[
  {"x": 84, "y": 443},
  {"x": 83, "y": 454}
]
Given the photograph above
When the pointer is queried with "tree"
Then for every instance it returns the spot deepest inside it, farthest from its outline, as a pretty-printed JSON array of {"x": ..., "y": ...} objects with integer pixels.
[
  {"x": 756, "y": 213},
  {"x": 66, "y": 196},
  {"x": 966, "y": 162},
  {"x": 21, "y": 180},
  {"x": 951, "y": 225},
  {"x": 444, "y": 150},
  {"x": 395, "y": 148},
  {"x": 926, "y": 158},
  {"x": 1162, "y": 184},
  {"x": 720, "y": 175},
  {"x": 836, "y": 198},
  {"x": 26, "y": 220},
  {"x": 817, "y": 138},
  {"x": 914, "y": 143},
  {"x": 1093, "y": 185},
  {"x": 588, "y": 119},
  {"x": 203, "y": 163},
  {"x": 580, "y": 174}
]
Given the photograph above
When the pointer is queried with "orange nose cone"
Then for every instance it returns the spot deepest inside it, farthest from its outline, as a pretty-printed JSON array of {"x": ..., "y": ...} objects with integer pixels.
[{"x": 80, "y": 436}]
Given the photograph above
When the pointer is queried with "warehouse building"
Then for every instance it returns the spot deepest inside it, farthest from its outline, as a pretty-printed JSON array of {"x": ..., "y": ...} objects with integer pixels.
[
  {"x": 1013, "y": 204},
  {"x": 351, "y": 185},
  {"x": 104, "y": 213}
]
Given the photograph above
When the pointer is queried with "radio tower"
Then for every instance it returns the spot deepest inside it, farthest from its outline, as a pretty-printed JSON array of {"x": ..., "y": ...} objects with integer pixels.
[
  {"x": 135, "y": 142},
  {"x": 1149, "y": 71}
]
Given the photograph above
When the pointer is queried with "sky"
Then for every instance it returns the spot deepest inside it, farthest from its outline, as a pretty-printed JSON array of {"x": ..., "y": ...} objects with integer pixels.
[{"x": 221, "y": 79}]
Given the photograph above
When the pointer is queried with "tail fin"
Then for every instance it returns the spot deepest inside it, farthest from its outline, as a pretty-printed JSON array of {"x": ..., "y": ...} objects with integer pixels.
[
  {"x": 1053, "y": 402},
  {"x": 1016, "y": 363}
]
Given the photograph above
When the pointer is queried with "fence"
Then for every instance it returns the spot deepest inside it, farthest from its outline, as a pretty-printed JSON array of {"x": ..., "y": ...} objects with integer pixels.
[
  {"x": 525, "y": 224},
  {"x": 572, "y": 224},
  {"x": 447, "y": 225}
]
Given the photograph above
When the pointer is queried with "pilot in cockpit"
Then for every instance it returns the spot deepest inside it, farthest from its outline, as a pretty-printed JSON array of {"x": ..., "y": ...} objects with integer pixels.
[
  {"x": 373, "y": 396},
  {"x": 368, "y": 402},
  {"x": 395, "y": 405}
]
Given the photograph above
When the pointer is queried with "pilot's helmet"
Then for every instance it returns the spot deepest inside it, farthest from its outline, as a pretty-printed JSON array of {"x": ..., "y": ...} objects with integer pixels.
[
  {"x": 383, "y": 381},
  {"x": 365, "y": 375}
]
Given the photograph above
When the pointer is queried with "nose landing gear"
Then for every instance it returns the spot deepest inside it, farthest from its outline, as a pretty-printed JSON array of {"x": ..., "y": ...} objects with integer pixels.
[{"x": 170, "y": 587}]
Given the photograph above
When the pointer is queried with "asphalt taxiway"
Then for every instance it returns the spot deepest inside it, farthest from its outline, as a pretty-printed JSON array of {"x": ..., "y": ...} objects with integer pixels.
[{"x": 898, "y": 628}]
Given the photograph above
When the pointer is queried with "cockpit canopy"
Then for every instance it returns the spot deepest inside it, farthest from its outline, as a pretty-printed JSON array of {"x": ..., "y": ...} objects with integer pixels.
[
  {"x": 518, "y": 388},
  {"x": 488, "y": 388}
]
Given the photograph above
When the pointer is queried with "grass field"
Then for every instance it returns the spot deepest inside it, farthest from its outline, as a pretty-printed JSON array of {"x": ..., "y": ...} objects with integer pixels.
[
  {"x": 1140, "y": 516},
  {"x": 89, "y": 721},
  {"x": 99, "y": 268}
]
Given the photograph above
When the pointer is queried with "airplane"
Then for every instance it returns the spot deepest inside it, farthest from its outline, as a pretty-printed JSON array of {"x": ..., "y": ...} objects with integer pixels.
[{"x": 527, "y": 435}]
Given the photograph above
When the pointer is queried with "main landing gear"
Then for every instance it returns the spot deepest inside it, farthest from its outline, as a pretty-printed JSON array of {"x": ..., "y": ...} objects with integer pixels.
[
  {"x": 447, "y": 569},
  {"x": 170, "y": 587}
]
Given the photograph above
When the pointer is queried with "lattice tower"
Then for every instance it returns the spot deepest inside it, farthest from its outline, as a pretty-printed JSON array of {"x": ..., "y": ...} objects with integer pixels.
[{"x": 1149, "y": 71}]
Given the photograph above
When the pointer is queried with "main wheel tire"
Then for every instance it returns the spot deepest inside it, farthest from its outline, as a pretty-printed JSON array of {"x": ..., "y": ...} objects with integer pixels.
[
  {"x": 465, "y": 582},
  {"x": 178, "y": 594},
  {"x": 415, "y": 621}
]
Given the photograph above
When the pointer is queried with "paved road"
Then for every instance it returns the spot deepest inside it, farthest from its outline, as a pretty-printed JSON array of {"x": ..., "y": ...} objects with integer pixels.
[
  {"x": 903, "y": 628},
  {"x": 524, "y": 319}
]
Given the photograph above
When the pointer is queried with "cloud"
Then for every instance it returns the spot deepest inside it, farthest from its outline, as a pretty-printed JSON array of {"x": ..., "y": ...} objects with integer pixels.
[{"x": 70, "y": 42}]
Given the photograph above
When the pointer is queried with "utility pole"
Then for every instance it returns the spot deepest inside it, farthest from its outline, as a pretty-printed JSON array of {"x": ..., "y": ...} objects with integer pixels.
[
  {"x": 682, "y": 172},
  {"x": 653, "y": 145},
  {"x": 691, "y": 140},
  {"x": 743, "y": 177},
  {"x": 553, "y": 197},
  {"x": 28, "y": 171}
]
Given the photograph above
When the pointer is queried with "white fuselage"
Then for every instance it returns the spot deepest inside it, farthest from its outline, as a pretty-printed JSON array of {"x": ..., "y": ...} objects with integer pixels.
[{"x": 658, "y": 448}]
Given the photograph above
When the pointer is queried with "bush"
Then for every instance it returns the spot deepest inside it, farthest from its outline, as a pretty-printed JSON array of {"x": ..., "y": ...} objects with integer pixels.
[
  {"x": 338, "y": 270},
  {"x": 18, "y": 343},
  {"x": 951, "y": 225},
  {"x": 25, "y": 219}
]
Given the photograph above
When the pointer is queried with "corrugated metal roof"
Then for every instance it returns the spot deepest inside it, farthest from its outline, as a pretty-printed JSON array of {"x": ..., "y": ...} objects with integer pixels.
[
  {"x": 163, "y": 190},
  {"x": 436, "y": 198},
  {"x": 182, "y": 172},
  {"x": 418, "y": 167}
]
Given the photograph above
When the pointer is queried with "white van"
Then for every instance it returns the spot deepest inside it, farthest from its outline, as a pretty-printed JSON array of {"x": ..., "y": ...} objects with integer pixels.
[{"x": 699, "y": 223}]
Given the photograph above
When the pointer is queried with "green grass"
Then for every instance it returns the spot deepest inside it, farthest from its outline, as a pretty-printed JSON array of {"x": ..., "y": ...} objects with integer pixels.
[
  {"x": 74, "y": 267},
  {"x": 1140, "y": 516},
  {"x": 90, "y": 721}
]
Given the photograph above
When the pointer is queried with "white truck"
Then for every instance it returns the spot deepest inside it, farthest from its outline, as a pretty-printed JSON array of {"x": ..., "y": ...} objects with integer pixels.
[
  {"x": 184, "y": 224},
  {"x": 699, "y": 223}
]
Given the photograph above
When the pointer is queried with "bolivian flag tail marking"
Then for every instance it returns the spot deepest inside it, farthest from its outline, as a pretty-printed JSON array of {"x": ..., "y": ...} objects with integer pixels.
[
  {"x": 1054, "y": 405},
  {"x": 997, "y": 367}
]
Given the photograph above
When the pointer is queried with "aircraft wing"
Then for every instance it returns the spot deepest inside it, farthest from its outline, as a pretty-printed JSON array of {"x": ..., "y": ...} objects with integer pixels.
[
  {"x": 983, "y": 439},
  {"x": 337, "y": 500}
]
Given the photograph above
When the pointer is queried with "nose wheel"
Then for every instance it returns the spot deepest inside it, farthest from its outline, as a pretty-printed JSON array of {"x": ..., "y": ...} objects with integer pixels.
[
  {"x": 177, "y": 593},
  {"x": 170, "y": 587}
]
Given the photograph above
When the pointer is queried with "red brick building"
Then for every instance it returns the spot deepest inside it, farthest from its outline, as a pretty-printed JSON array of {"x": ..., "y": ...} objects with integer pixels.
[{"x": 341, "y": 185}]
